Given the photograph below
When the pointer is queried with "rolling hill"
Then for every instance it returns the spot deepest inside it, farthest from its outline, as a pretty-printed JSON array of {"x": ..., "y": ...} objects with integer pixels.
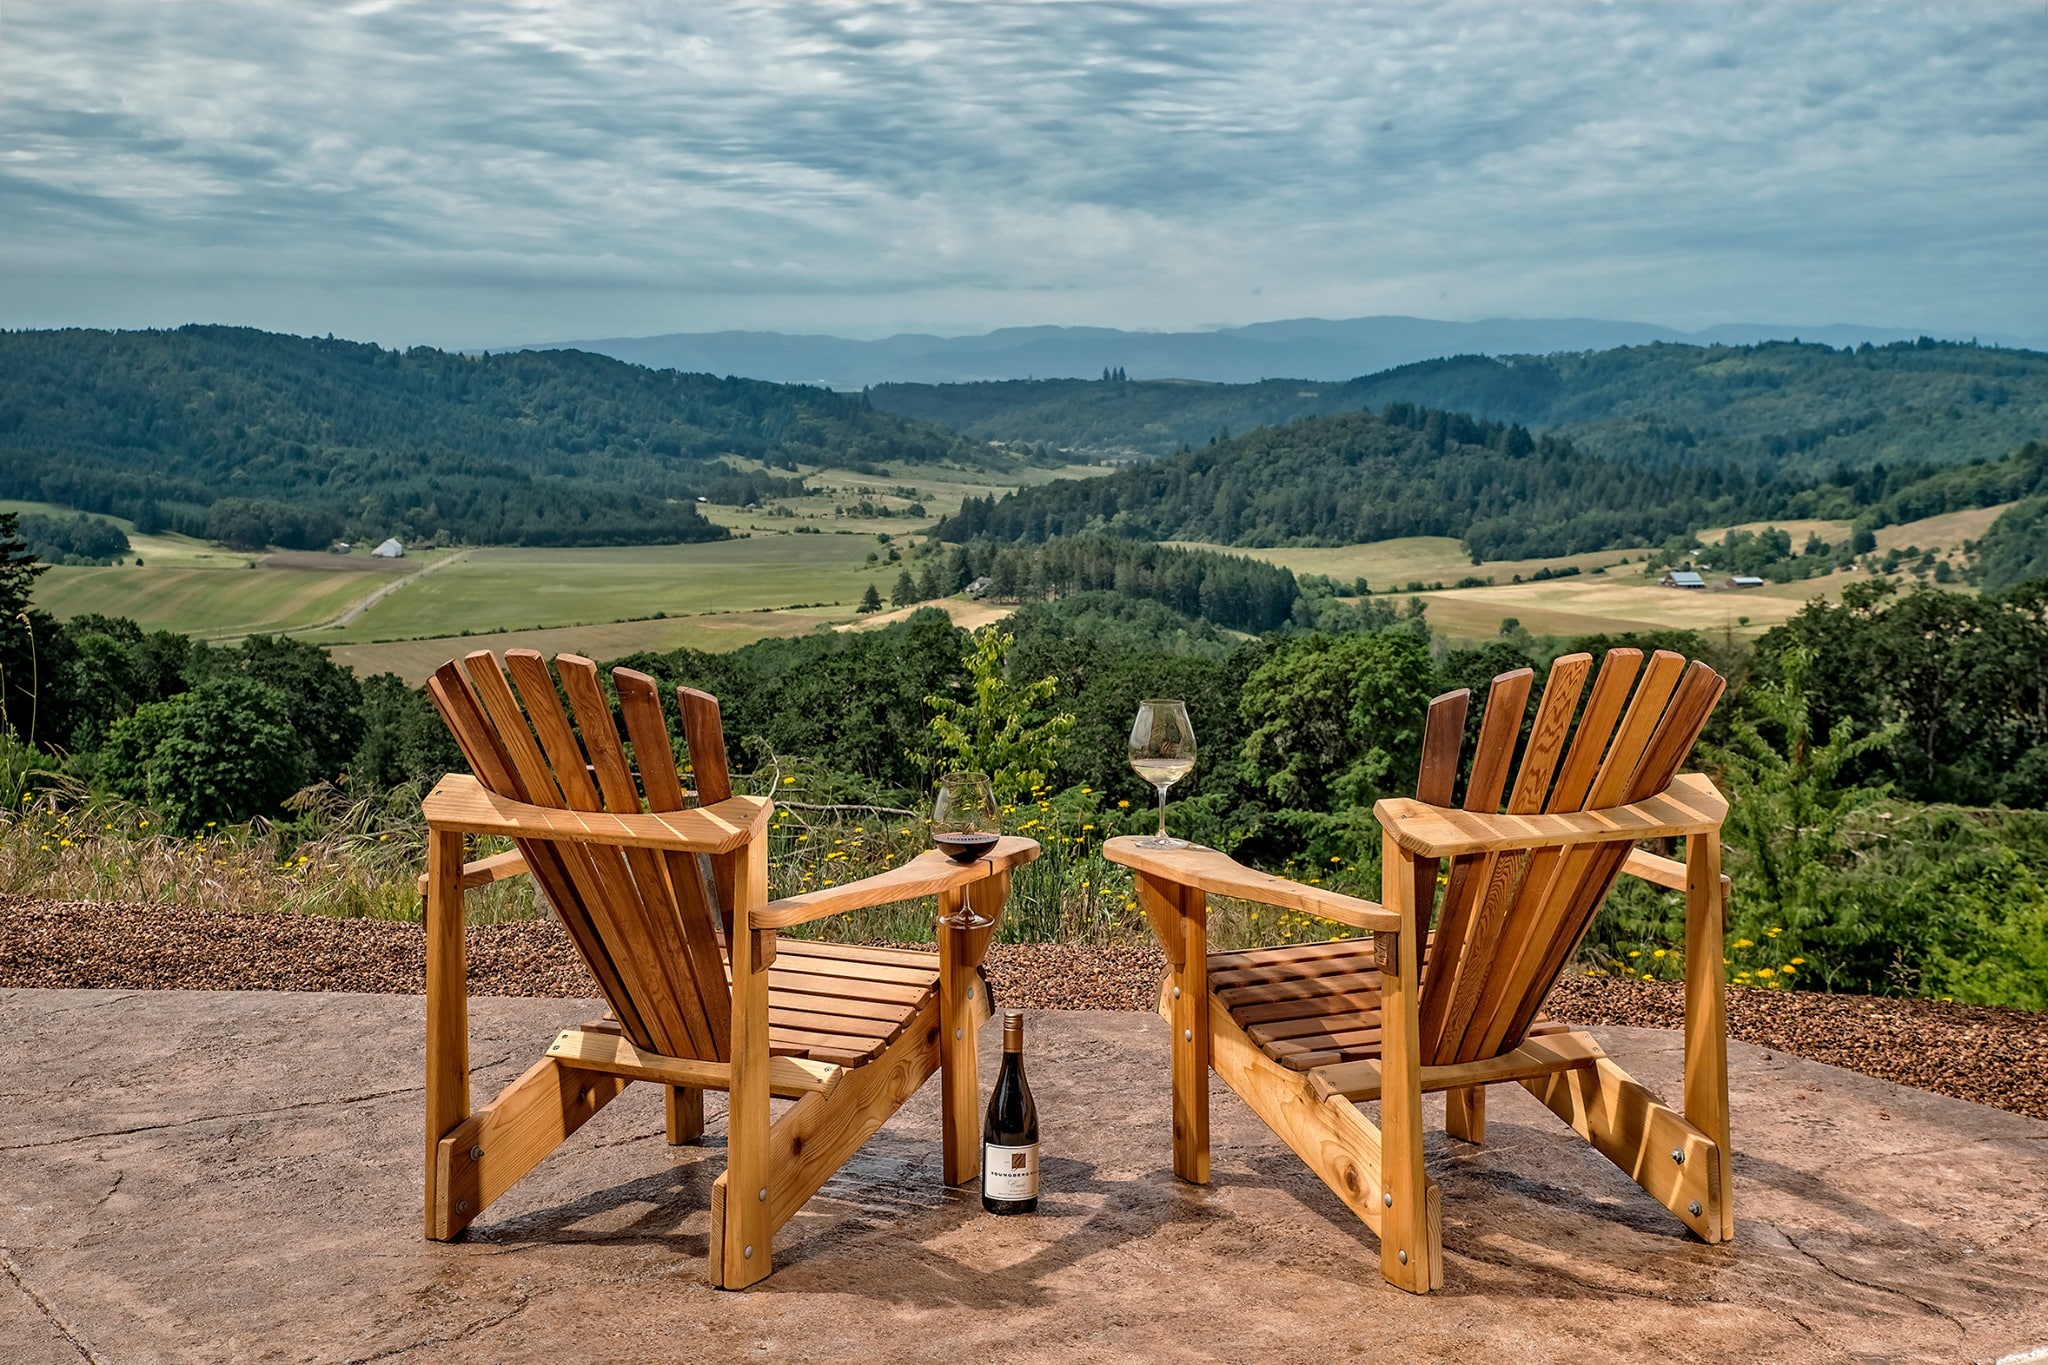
[
  {"x": 1360, "y": 477},
  {"x": 1775, "y": 406},
  {"x": 254, "y": 438}
]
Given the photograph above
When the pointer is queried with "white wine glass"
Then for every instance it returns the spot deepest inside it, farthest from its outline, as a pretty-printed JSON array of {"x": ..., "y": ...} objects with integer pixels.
[
  {"x": 1162, "y": 752},
  {"x": 965, "y": 826}
]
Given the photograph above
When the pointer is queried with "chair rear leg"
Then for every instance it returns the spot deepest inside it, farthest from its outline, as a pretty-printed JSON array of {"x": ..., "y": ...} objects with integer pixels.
[
  {"x": 1465, "y": 1113},
  {"x": 683, "y": 1108}
]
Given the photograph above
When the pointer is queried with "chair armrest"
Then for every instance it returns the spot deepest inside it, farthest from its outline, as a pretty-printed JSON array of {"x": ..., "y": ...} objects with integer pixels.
[
  {"x": 484, "y": 871},
  {"x": 1205, "y": 869},
  {"x": 461, "y": 804},
  {"x": 1658, "y": 870},
  {"x": 928, "y": 874},
  {"x": 1690, "y": 805}
]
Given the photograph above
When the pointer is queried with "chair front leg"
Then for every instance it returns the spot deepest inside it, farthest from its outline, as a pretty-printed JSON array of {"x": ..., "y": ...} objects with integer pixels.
[
  {"x": 1191, "y": 1042},
  {"x": 447, "y": 1084},
  {"x": 1411, "y": 1247},
  {"x": 741, "y": 1226},
  {"x": 960, "y": 1015},
  {"x": 1706, "y": 1011},
  {"x": 1180, "y": 918}
]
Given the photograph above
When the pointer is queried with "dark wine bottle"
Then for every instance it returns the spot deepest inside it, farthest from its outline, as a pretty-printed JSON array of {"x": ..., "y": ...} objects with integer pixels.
[{"x": 1009, "y": 1135}]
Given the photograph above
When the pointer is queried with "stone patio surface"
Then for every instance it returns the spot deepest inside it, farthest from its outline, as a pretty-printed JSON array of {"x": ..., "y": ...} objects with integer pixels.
[{"x": 195, "y": 1176}]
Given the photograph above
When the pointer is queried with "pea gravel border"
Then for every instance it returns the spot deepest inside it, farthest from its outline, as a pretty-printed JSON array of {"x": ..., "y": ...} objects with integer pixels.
[{"x": 1986, "y": 1054}]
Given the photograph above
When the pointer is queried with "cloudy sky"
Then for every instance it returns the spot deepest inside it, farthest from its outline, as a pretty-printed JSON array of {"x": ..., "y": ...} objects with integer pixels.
[{"x": 458, "y": 173}]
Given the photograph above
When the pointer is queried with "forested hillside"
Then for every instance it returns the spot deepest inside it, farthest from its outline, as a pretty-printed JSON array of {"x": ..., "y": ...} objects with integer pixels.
[
  {"x": 1410, "y": 471},
  {"x": 1776, "y": 406},
  {"x": 253, "y": 437}
]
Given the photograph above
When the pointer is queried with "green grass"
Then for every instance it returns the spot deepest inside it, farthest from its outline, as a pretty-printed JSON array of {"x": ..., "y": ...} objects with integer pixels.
[
  {"x": 527, "y": 589},
  {"x": 213, "y": 603}
]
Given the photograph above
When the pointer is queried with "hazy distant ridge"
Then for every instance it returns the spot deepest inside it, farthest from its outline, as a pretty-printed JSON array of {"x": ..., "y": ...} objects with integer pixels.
[{"x": 1302, "y": 348}]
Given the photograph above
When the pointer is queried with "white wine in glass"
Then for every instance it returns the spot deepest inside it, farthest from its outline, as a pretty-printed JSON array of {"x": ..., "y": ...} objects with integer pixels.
[{"x": 1162, "y": 752}]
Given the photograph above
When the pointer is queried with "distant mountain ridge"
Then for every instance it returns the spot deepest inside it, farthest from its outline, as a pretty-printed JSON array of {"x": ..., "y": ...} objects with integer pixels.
[
  {"x": 1784, "y": 405},
  {"x": 1316, "y": 349}
]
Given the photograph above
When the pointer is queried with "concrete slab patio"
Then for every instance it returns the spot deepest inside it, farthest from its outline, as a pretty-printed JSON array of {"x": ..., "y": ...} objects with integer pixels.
[{"x": 202, "y": 1176}]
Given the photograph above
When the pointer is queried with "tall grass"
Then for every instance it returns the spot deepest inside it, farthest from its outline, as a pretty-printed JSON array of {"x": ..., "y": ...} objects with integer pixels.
[
  {"x": 362, "y": 858},
  {"x": 356, "y": 859}
]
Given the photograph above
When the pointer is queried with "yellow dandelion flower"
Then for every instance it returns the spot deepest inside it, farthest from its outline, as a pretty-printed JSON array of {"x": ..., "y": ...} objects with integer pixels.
[
  {"x": 1745, "y": 943},
  {"x": 1634, "y": 952},
  {"x": 789, "y": 782},
  {"x": 1765, "y": 972},
  {"x": 1799, "y": 962},
  {"x": 1658, "y": 953},
  {"x": 1123, "y": 805}
]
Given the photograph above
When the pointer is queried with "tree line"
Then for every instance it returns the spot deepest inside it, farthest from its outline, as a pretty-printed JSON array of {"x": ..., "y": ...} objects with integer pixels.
[
  {"x": 305, "y": 438},
  {"x": 1507, "y": 494}
]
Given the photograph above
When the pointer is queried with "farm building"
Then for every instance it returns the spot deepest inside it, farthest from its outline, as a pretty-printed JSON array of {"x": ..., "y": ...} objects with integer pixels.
[
  {"x": 1745, "y": 580},
  {"x": 1683, "y": 578},
  {"x": 390, "y": 549}
]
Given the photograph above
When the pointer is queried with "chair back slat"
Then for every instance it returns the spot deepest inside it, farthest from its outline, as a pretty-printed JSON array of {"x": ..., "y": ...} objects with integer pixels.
[
  {"x": 655, "y": 899},
  {"x": 598, "y": 876},
  {"x": 639, "y": 917},
  {"x": 1683, "y": 721},
  {"x": 490, "y": 760},
  {"x": 1611, "y": 784},
  {"x": 1548, "y": 735},
  {"x": 704, "y": 732},
  {"x": 1603, "y": 710},
  {"x": 1502, "y": 874},
  {"x": 1509, "y": 921},
  {"x": 672, "y": 885},
  {"x": 1457, "y": 924}
]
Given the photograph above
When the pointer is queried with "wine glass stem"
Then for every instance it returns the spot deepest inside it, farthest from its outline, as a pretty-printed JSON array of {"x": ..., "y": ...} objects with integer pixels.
[{"x": 1162, "y": 812}]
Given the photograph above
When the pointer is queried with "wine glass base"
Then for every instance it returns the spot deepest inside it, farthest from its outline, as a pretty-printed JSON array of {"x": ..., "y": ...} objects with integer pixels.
[
  {"x": 1164, "y": 841},
  {"x": 965, "y": 921}
]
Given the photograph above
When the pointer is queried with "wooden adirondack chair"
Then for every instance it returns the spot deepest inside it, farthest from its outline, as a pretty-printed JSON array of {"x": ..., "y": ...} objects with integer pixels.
[
  {"x": 702, "y": 995},
  {"x": 1304, "y": 1033}
]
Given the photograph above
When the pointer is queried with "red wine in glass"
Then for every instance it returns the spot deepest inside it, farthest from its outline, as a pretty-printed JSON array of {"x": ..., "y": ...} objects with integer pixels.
[{"x": 964, "y": 848}]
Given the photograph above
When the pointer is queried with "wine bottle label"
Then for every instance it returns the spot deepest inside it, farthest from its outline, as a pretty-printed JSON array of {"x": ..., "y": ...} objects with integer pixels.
[{"x": 1009, "y": 1172}]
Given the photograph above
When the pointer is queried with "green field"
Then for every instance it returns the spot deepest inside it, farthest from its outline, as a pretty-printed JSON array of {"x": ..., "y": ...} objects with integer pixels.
[
  {"x": 408, "y": 615},
  {"x": 212, "y": 603},
  {"x": 526, "y": 589}
]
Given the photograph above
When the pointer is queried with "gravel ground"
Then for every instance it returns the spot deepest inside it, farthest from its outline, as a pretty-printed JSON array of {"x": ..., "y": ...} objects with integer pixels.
[{"x": 1982, "y": 1053}]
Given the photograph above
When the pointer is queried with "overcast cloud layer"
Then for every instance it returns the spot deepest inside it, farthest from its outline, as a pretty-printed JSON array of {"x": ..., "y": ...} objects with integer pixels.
[{"x": 472, "y": 174}]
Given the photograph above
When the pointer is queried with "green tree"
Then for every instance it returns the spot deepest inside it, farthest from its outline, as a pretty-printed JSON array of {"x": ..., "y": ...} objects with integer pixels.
[
  {"x": 27, "y": 636},
  {"x": 1005, "y": 729},
  {"x": 1789, "y": 809},
  {"x": 870, "y": 601},
  {"x": 1337, "y": 721},
  {"x": 905, "y": 592},
  {"x": 404, "y": 738},
  {"x": 225, "y": 751}
]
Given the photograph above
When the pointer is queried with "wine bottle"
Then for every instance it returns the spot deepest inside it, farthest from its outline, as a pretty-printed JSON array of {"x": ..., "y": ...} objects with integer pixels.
[{"x": 1009, "y": 1135}]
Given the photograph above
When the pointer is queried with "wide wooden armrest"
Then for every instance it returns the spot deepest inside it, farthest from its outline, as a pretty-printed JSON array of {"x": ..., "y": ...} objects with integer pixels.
[
  {"x": 1219, "y": 874},
  {"x": 484, "y": 871},
  {"x": 928, "y": 874},
  {"x": 461, "y": 804},
  {"x": 1690, "y": 805},
  {"x": 1658, "y": 870}
]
